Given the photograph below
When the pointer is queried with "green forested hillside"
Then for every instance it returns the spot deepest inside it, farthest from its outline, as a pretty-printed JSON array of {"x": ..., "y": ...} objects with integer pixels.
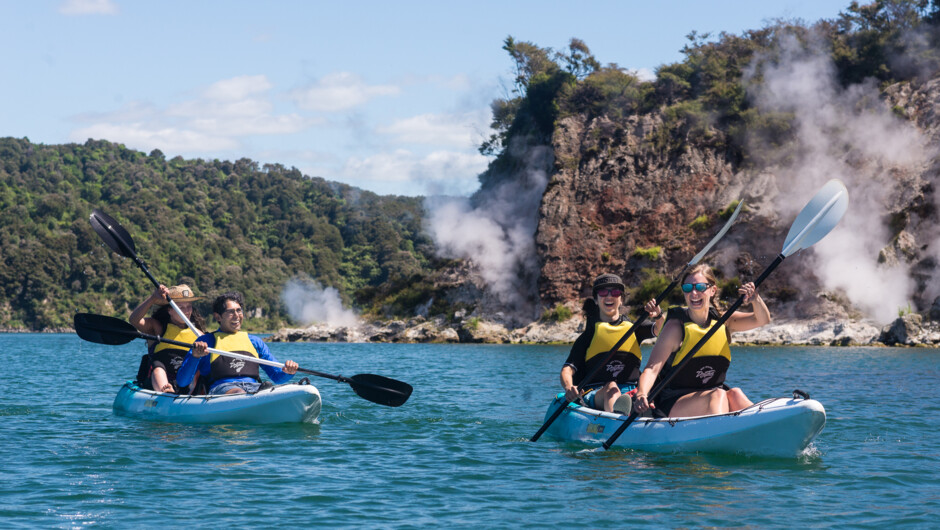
[{"x": 218, "y": 224}]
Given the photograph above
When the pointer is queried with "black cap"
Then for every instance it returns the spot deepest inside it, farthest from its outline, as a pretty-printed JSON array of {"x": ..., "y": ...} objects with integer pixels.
[{"x": 608, "y": 280}]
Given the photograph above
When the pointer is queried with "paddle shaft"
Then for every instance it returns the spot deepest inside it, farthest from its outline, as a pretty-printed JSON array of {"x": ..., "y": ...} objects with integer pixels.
[
  {"x": 127, "y": 251},
  {"x": 257, "y": 360},
  {"x": 688, "y": 357},
  {"x": 211, "y": 350},
  {"x": 610, "y": 355}
]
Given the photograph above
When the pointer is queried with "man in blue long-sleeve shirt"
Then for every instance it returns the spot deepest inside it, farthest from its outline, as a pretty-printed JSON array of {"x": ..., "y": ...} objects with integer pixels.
[{"x": 228, "y": 375}]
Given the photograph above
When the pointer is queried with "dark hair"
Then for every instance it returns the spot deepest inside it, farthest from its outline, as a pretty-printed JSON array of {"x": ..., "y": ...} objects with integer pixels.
[
  {"x": 591, "y": 311},
  {"x": 218, "y": 306},
  {"x": 162, "y": 316}
]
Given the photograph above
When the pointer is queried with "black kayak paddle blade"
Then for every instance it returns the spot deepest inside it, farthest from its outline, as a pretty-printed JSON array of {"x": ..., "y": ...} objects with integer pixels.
[
  {"x": 380, "y": 389},
  {"x": 112, "y": 233},
  {"x": 103, "y": 330}
]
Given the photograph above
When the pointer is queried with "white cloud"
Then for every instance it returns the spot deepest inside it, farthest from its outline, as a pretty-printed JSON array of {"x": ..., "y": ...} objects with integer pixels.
[
  {"x": 438, "y": 172},
  {"x": 237, "y": 88},
  {"x": 225, "y": 112},
  {"x": 340, "y": 91},
  {"x": 456, "y": 130},
  {"x": 88, "y": 7},
  {"x": 644, "y": 74},
  {"x": 146, "y": 137}
]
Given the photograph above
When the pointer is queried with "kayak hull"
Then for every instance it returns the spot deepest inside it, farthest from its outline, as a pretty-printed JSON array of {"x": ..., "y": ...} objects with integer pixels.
[
  {"x": 290, "y": 403},
  {"x": 780, "y": 427}
]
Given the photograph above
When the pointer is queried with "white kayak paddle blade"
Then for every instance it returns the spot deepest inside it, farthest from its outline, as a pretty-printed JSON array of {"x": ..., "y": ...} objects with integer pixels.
[{"x": 820, "y": 215}]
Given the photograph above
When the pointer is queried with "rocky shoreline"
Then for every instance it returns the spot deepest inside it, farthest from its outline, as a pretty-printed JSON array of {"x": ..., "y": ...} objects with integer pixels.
[
  {"x": 913, "y": 330},
  {"x": 909, "y": 330}
]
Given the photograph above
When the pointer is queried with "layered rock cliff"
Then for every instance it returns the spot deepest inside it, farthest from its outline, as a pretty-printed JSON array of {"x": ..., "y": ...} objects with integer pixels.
[{"x": 613, "y": 195}]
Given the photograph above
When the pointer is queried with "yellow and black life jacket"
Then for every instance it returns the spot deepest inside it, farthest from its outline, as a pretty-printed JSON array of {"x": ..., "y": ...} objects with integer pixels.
[
  {"x": 168, "y": 356},
  {"x": 224, "y": 367},
  {"x": 709, "y": 365},
  {"x": 624, "y": 366},
  {"x": 174, "y": 332}
]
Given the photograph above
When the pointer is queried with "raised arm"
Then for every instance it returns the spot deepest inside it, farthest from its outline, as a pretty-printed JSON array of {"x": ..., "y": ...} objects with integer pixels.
[
  {"x": 742, "y": 321},
  {"x": 138, "y": 317}
]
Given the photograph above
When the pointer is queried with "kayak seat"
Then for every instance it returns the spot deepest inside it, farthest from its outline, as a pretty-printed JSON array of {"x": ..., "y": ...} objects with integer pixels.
[
  {"x": 143, "y": 373},
  {"x": 201, "y": 388},
  {"x": 265, "y": 385}
]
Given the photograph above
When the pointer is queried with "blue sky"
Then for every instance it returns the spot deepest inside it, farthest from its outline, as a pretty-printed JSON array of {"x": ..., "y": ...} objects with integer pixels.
[{"x": 388, "y": 96}]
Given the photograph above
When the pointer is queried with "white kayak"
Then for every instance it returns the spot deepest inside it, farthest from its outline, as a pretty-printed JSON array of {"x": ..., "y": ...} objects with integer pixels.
[
  {"x": 774, "y": 427},
  {"x": 291, "y": 403}
]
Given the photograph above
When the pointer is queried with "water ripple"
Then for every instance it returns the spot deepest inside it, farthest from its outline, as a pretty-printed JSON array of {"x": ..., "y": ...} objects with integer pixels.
[{"x": 457, "y": 454}]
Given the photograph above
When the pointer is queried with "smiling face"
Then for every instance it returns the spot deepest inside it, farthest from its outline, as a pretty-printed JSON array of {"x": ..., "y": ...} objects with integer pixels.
[
  {"x": 698, "y": 300},
  {"x": 230, "y": 320},
  {"x": 608, "y": 300}
]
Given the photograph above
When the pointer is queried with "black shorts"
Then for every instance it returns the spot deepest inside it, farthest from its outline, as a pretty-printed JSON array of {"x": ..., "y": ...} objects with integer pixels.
[{"x": 668, "y": 397}]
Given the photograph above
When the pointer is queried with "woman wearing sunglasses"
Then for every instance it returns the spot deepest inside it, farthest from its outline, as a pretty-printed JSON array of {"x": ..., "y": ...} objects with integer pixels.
[
  {"x": 605, "y": 326},
  {"x": 699, "y": 388}
]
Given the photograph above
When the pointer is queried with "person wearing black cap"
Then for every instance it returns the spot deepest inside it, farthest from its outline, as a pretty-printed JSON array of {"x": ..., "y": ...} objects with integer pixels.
[{"x": 605, "y": 326}]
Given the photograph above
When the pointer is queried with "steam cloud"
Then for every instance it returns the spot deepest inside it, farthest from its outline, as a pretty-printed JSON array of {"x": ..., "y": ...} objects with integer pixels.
[
  {"x": 307, "y": 302},
  {"x": 849, "y": 134},
  {"x": 495, "y": 229}
]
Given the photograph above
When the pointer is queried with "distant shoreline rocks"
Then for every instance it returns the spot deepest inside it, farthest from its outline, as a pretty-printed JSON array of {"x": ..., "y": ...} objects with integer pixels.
[
  {"x": 909, "y": 330},
  {"x": 46, "y": 330}
]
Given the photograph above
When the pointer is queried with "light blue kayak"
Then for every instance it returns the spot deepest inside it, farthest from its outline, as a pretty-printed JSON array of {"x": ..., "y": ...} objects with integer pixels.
[
  {"x": 781, "y": 427},
  {"x": 291, "y": 403}
]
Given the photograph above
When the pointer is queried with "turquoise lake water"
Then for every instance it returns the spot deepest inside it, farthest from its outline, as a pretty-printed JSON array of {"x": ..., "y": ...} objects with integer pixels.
[{"x": 457, "y": 453}]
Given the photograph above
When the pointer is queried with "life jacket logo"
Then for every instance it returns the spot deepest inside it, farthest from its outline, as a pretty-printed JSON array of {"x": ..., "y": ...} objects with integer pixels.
[
  {"x": 705, "y": 373},
  {"x": 615, "y": 367},
  {"x": 237, "y": 365}
]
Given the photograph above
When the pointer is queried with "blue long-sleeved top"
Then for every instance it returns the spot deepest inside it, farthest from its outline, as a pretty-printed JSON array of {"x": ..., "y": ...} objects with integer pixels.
[{"x": 191, "y": 365}]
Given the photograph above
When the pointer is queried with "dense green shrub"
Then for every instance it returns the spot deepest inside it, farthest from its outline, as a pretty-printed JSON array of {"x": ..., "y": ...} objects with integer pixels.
[{"x": 559, "y": 313}]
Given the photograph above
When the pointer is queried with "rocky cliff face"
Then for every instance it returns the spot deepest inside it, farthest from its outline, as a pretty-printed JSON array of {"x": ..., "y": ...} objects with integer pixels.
[
  {"x": 612, "y": 192},
  {"x": 912, "y": 203}
]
